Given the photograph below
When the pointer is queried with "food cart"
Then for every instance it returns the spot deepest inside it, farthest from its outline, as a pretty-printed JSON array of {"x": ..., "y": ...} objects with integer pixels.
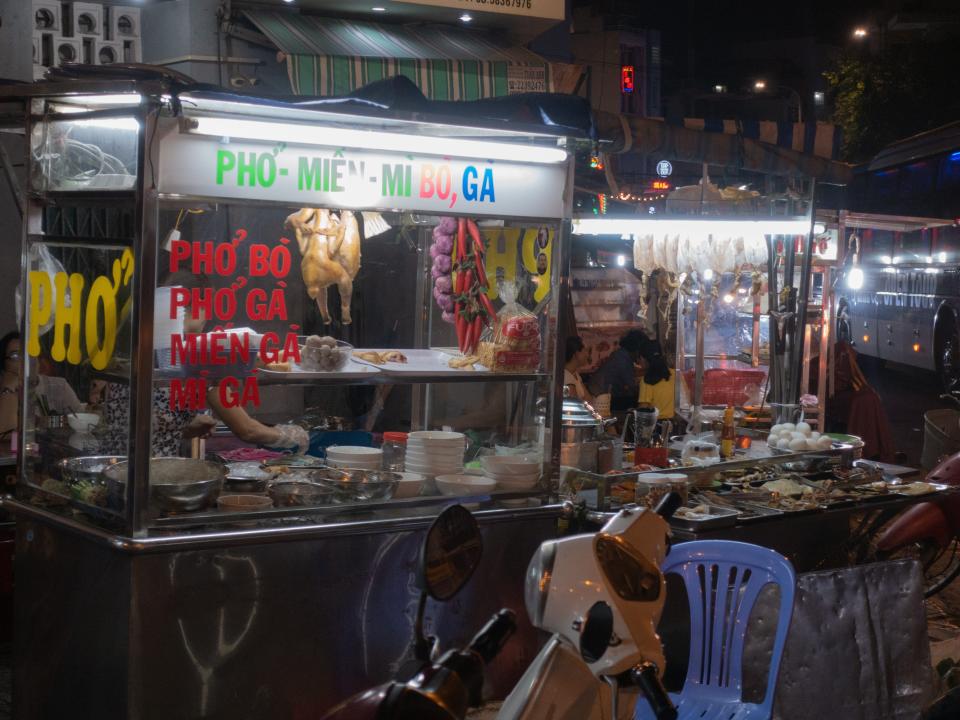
[
  {"x": 724, "y": 295},
  {"x": 151, "y": 205}
]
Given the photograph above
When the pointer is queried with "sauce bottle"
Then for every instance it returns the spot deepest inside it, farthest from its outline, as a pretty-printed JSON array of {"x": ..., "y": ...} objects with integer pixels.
[{"x": 728, "y": 435}]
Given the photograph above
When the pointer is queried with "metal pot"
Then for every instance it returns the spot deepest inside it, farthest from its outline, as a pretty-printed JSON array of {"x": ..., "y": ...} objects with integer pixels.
[{"x": 579, "y": 422}]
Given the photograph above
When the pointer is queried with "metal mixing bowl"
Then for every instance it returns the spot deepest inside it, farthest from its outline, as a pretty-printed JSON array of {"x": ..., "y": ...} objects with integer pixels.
[
  {"x": 87, "y": 469},
  {"x": 245, "y": 484},
  {"x": 176, "y": 484},
  {"x": 300, "y": 493},
  {"x": 353, "y": 485}
]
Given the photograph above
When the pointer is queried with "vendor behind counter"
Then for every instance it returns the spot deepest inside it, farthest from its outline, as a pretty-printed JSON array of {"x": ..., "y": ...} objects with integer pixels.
[{"x": 636, "y": 372}]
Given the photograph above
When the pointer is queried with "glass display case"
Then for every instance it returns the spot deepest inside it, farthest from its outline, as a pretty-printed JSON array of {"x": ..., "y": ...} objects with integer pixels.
[
  {"x": 229, "y": 306},
  {"x": 223, "y": 288}
]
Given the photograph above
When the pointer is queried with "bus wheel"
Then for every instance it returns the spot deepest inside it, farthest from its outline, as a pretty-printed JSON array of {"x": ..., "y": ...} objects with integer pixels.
[
  {"x": 844, "y": 331},
  {"x": 947, "y": 351}
]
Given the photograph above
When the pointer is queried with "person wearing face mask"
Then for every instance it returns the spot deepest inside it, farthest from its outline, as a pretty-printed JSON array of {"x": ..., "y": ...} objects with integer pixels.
[{"x": 171, "y": 426}]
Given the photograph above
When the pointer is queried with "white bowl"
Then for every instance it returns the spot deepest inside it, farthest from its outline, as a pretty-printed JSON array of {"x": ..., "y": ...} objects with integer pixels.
[
  {"x": 530, "y": 478},
  {"x": 452, "y": 450},
  {"x": 510, "y": 465},
  {"x": 516, "y": 484},
  {"x": 435, "y": 436},
  {"x": 461, "y": 485},
  {"x": 434, "y": 469},
  {"x": 430, "y": 454},
  {"x": 83, "y": 422},
  {"x": 353, "y": 451},
  {"x": 410, "y": 485},
  {"x": 353, "y": 464}
]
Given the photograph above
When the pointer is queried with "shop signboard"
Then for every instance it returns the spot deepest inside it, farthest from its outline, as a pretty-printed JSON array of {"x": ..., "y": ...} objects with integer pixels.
[
  {"x": 312, "y": 175},
  {"x": 526, "y": 79},
  {"x": 549, "y": 9}
]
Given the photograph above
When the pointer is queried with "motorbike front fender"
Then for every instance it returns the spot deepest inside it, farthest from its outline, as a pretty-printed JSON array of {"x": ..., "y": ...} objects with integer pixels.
[
  {"x": 558, "y": 685},
  {"x": 923, "y": 522}
]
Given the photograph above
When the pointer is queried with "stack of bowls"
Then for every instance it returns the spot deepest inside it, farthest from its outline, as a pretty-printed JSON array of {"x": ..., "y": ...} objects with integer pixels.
[
  {"x": 354, "y": 456},
  {"x": 432, "y": 452},
  {"x": 513, "y": 473}
]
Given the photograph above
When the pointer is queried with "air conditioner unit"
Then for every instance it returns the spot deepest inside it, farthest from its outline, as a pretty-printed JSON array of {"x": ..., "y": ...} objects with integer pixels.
[
  {"x": 66, "y": 51},
  {"x": 47, "y": 16},
  {"x": 124, "y": 23},
  {"x": 108, "y": 52},
  {"x": 86, "y": 19},
  {"x": 132, "y": 50}
]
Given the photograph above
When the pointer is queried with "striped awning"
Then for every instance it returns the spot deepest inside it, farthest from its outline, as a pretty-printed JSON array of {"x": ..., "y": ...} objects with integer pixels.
[
  {"x": 331, "y": 56},
  {"x": 817, "y": 138}
]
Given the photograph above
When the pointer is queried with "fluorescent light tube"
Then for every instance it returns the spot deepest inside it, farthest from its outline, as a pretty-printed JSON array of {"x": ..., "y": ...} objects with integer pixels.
[
  {"x": 646, "y": 226},
  {"x": 109, "y": 123},
  {"x": 296, "y": 133}
]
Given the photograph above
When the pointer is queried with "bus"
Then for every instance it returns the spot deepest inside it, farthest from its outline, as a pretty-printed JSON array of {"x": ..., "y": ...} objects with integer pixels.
[{"x": 898, "y": 298}]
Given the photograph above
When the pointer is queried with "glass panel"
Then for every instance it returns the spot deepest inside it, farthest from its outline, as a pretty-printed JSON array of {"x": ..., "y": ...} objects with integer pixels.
[
  {"x": 85, "y": 154},
  {"x": 289, "y": 330},
  {"x": 77, "y": 353}
]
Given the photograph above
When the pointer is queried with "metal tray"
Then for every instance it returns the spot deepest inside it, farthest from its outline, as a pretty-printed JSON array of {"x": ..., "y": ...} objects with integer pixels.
[
  {"x": 718, "y": 517},
  {"x": 750, "y": 513}
]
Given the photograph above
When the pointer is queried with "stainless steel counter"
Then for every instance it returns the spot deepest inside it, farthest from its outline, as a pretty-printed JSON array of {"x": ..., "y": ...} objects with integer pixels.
[{"x": 260, "y": 623}]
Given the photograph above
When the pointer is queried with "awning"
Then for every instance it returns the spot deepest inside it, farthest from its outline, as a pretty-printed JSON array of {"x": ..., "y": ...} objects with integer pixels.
[
  {"x": 332, "y": 56},
  {"x": 812, "y": 138},
  {"x": 655, "y": 137}
]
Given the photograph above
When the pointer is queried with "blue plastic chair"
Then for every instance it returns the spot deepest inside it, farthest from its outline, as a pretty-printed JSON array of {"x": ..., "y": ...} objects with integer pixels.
[{"x": 723, "y": 580}]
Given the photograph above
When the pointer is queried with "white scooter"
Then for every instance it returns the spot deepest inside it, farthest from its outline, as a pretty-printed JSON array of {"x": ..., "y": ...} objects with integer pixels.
[{"x": 601, "y": 595}]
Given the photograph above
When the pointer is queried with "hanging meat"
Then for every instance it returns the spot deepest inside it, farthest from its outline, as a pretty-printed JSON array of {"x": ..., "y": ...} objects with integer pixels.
[{"x": 330, "y": 250}]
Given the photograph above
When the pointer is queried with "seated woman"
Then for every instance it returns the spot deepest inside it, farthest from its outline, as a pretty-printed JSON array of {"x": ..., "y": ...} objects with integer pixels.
[
  {"x": 658, "y": 386},
  {"x": 577, "y": 356}
]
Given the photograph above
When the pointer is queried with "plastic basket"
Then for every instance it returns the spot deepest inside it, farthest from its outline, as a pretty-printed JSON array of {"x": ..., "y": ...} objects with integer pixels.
[{"x": 723, "y": 386}]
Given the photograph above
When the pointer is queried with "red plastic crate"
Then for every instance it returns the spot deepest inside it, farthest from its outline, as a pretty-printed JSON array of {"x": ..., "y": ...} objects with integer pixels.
[{"x": 724, "y": 386}]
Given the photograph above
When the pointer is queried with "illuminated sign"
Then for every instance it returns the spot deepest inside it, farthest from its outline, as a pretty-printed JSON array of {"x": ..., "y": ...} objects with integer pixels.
[
  {"x": 664, "y": 168},
  {"x": 626, "y": 79},
  {"x": 354, "y": 178},
  {"x": 660, "y": 185}
]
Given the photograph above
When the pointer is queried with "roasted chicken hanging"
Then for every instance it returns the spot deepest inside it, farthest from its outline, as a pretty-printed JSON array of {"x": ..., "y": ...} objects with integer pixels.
[{"x": 330, "y": 251}]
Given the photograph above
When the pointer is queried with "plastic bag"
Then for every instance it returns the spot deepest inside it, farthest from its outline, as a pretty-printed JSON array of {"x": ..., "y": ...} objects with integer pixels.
[
  {"x": 515, "y": 342},
  {"x": 40, "y": 259}
]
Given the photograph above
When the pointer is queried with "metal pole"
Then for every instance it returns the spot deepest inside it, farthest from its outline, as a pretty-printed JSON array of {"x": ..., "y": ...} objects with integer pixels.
[
  {"x": 141, "y": 366},
  {"x": 773, "y": 305},
  {"x": 15, "y": 190},
  {"x": 698, "y": 360},
  {"x": 803, "y": 297},
  {"x": 826, "y": 302}
]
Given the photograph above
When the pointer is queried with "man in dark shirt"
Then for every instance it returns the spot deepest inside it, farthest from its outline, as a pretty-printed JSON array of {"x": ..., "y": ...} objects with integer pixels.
[{"x": 618, "y": 374}]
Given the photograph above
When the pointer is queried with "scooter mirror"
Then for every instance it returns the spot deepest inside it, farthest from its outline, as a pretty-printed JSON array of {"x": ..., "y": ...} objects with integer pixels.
[{"x": 451, "y": 553}]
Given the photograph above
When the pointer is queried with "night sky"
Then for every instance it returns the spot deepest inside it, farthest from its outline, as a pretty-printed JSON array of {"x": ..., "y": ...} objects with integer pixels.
[{"x": 714, "y": 28}]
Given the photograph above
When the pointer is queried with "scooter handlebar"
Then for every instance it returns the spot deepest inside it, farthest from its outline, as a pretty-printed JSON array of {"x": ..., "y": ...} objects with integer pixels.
[
  {"x": 647, "y": 679},
  {"x": 492, "y": 637}
]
